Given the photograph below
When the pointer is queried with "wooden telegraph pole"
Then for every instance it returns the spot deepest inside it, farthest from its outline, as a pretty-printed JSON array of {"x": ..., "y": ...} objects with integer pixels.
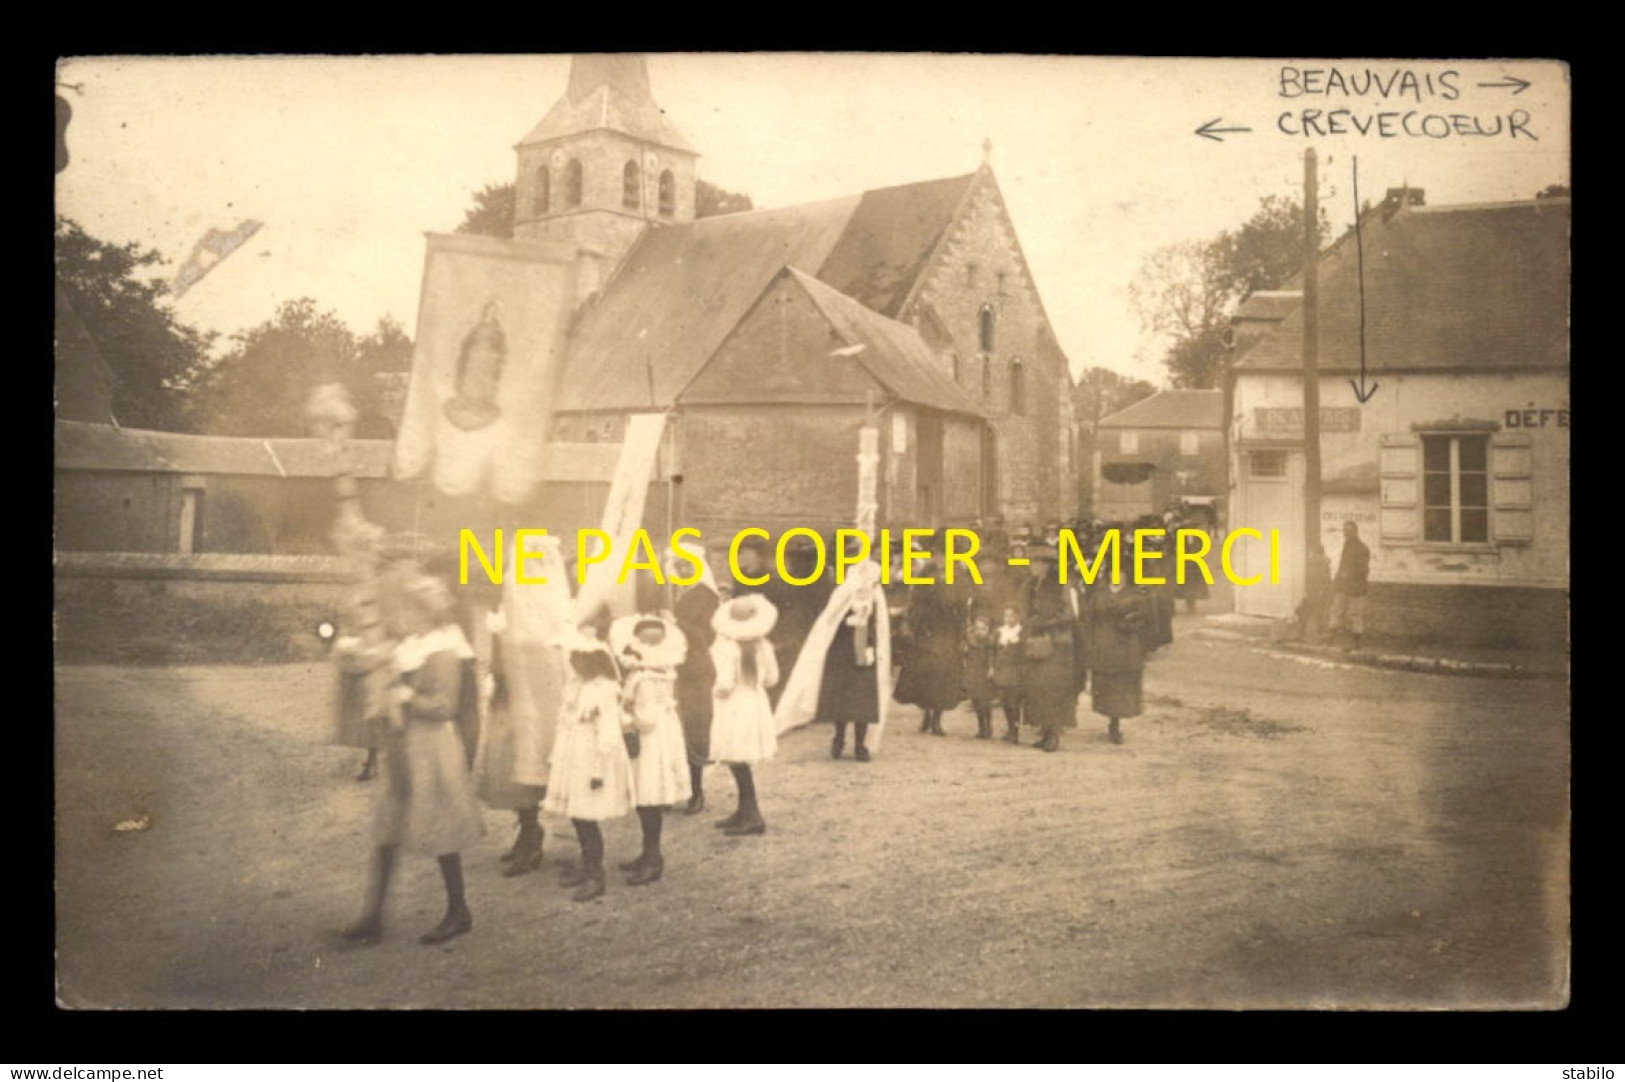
[{"x": 1311, "y": 373}]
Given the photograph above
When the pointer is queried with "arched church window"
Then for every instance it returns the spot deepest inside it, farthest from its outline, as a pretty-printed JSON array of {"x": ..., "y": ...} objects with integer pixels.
[
  {"x": 630, "y": 186},
  {"x": 572, "y": 183},
  {"x": 542, "y": 202},
  {"x": 1018, "y": 387},
  {"x": 985, "y": 327},
  {"x": 668, "y": 194}
]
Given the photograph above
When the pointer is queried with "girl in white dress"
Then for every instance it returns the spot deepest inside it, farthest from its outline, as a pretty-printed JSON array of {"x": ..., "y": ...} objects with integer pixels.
[
  {"x": 742, "y": 728},
  {"x": 591, "y": 775},
  {"x": 649, "y": 649}
]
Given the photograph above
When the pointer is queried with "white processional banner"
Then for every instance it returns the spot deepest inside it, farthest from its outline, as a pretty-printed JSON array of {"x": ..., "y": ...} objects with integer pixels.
[
  {"x": 490, "y": 344},
  {"x": 623, "y": 515}
]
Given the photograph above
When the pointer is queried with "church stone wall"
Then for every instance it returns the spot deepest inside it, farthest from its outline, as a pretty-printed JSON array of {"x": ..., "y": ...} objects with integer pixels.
[{"x": 966, "y": 276}]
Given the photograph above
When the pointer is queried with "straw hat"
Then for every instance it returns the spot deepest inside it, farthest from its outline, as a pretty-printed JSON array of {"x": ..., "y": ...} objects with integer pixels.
[
  {"x": 669, "y": 652},
  {"x": 749, "y": 616}
]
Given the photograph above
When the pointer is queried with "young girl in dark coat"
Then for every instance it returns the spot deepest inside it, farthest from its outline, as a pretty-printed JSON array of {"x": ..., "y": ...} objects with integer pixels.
[
  {"x": 1010, "y": 671},
  {"x": 978, "y": 679},
  {"x": 427, "y": 804}
]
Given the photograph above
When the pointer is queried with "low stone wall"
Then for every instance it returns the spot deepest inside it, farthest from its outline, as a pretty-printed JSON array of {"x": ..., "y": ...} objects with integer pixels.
[{"x": 149, "y": 608}]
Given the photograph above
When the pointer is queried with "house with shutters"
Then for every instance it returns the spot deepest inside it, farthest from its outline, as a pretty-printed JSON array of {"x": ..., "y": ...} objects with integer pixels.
[
  {"x": 769, "y": 337},
  {"x": 1162, "y": 450},
  {"x": 1456, "y": 470}
]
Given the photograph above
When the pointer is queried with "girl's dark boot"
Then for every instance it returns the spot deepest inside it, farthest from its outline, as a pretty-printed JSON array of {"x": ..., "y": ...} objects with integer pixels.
[{"x": 457, "y": 919}]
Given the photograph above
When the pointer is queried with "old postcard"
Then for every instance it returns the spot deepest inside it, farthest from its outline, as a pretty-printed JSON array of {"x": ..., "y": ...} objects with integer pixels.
[{"x": 812, "y": 530}]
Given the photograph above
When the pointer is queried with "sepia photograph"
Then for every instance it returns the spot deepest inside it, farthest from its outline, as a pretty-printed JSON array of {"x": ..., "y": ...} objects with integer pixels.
[{"x": 651, "y": 531}]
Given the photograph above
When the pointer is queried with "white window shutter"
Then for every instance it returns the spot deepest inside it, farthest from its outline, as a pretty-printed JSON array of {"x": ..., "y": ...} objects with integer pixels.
[
  {"x": 1512, "y": 496},
  {"x": 1400, "y": 515}
]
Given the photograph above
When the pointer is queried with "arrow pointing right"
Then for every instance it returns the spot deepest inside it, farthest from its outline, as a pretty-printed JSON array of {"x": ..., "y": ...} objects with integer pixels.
[{"x": 1517, "y": 85}]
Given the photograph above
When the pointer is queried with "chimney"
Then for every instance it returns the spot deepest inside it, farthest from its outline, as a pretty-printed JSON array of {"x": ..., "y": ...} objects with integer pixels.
[{"x": 1400, "y": 198}]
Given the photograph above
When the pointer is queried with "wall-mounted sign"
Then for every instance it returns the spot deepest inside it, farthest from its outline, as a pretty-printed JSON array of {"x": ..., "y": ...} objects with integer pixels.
[
  {"x": 1290, "y": 419},
  {"x": 1537, "y": 418}
]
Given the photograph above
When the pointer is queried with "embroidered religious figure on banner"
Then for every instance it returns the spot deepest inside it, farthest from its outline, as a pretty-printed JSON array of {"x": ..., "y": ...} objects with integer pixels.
[{"x": 479, "y": 372}]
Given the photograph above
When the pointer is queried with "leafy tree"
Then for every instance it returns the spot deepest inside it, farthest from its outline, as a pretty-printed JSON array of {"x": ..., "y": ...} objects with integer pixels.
[
  {"x": 709, "y": 200},
  {"x": 260, "y": 386},
  {"x": 116, "y": 292},
  {"x": 1188, "y": 292},
  {"x": 492, "y": 212}
]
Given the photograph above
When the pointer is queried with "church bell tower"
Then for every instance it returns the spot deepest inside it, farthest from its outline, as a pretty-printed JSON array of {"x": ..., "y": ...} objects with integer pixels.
[{"x": 604, "y": 164}]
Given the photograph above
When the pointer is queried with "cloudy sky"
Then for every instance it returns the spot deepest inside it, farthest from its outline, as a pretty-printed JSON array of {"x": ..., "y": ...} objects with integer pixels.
[{"x": 349, "y": 161}]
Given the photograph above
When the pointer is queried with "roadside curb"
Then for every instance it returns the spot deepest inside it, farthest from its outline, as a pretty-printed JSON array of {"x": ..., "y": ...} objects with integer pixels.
[{"x": 1505, "y": 670}]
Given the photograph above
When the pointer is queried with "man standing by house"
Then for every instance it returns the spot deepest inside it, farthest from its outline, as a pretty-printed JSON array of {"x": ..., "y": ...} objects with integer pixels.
[{"x": 1349, "y": 585}]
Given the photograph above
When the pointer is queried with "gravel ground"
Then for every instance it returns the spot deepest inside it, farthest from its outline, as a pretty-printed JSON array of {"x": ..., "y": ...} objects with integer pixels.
[{"x": 1270, "y": 835}]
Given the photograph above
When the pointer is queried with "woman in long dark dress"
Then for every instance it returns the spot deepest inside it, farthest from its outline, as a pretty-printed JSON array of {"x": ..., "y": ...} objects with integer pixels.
[
  {"x": 932, "y": 677},
  {"x": 1050, "y": 629},
  {"x": 693, "y": 609},
  {"x": 1118, "y": 620},
  {"x": 847, "y": 693}
]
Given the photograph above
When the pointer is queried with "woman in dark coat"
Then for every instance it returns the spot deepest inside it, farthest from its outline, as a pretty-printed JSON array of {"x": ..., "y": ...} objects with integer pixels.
[
  {"x": 693, "y": 609},
  {"x": 847, "y": 693},
  {"x": 1050, "y": 630},
  {"x": 932, "y": 677},
  {"x": 1117, "y": 620}
]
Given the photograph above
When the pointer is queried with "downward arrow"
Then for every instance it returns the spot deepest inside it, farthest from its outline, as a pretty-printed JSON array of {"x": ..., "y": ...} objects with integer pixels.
[
  {"x": 1518, "y": 85},
  {"x": 1208, "y": 131},
  {"x": 1359, "y": 388}
]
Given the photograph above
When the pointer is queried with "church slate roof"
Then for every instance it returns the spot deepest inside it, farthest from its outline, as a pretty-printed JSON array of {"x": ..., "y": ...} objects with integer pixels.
[
  {"x": 679, "y": 293},
  {"x": 684, "y": 287},
  {"x": 889, "y": 239},
  {"x": 1446, "y": 288},
  {"x": 608, "y": 91},
  {"x": 894, "y": 352}
]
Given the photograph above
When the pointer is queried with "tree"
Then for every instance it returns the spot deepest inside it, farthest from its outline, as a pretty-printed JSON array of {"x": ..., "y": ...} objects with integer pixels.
[
  {"x": 492, "y": 212},
  {"x": 709, "y": 200},
  {"x": 260, "y": 386},
  {"x": 153, "y": 355},
  {"x": 1188, "y": 292}
]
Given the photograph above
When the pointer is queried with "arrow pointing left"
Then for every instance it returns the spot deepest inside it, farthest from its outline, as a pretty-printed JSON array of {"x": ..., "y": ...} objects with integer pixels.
[{"x": 1208, "y": 131}]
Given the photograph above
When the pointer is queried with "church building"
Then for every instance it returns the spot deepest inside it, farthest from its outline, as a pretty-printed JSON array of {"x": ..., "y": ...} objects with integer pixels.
[{"x": 770, "y": 337}]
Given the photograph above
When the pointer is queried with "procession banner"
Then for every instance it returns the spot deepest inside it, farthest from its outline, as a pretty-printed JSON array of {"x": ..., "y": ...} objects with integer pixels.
[
  {"x": 798, "y": 705},
  {"x": 535, "y": 615},
  {"x": 490, "y": 344},
  {"x": 623, "y": 515}
]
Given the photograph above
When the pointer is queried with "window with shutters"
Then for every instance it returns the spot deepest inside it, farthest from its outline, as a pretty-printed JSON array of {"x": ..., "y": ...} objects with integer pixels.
[{"x": 1456, "y": 488}]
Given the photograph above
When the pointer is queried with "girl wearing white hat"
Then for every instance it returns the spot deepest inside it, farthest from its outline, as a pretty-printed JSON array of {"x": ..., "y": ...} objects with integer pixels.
[
  {"x": 591, "y": 776},
  {"x": 649, "y": 649},
  {"x": 742, "y": 728}
]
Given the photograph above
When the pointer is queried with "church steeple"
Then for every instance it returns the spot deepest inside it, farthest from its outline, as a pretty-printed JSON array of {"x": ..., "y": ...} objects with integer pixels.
[{"x": 604, "y": 163}]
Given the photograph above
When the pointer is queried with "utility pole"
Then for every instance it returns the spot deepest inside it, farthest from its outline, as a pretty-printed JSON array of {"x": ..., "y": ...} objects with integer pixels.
[{"x": 1311, "y": 373}]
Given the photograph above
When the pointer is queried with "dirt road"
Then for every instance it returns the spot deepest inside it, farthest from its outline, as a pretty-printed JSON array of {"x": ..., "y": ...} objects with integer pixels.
[{"x": 1271, "y": 835}]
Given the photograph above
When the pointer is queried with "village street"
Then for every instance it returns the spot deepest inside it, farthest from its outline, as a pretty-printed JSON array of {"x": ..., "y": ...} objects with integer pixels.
[{"x": 1270, "y": 835}]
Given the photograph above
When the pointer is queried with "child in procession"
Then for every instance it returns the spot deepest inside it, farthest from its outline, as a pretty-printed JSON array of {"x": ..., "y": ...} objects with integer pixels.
[
  {"x": 590, "y": 780},
  {"x": 650, "y": 649}
]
